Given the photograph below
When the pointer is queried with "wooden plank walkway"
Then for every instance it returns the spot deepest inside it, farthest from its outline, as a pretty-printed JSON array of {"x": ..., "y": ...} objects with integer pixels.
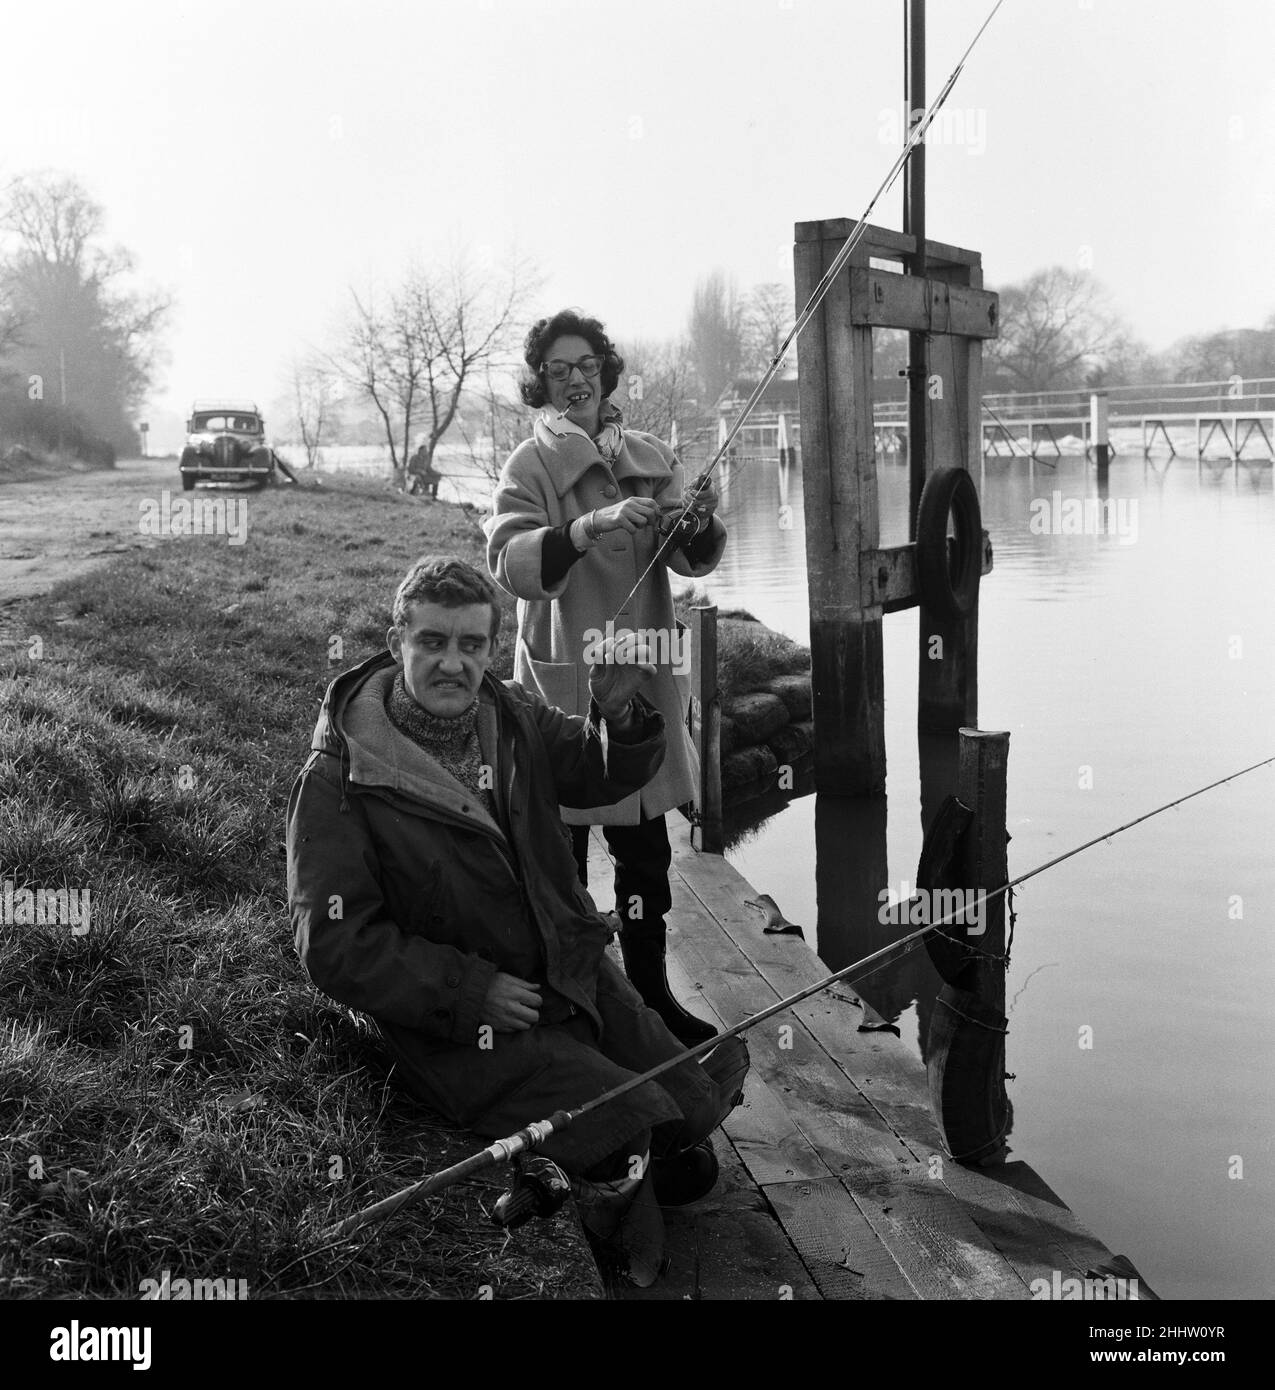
[{"x": 834, "y": 1185}]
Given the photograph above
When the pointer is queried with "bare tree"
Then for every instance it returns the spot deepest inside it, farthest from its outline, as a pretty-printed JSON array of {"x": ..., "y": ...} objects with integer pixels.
[
  {"x": 13, "y": 324},
  {"x": 64, "y": 292},
  {"x": 492, "y": 423},
  {"x": 661, "y": 390},
  {"x": 768, "y": 317},
  {"x": 716, "y": 334},
  {"x": 413, "y": 355},
  {"x": 1056, "y": 329},
  {"x": 313, "y": 404}
]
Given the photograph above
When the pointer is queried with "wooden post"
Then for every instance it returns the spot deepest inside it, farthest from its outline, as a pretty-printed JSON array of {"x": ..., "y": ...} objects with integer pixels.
[
  {"x": 706, "y": 726},
  {"x": 1098, "y": 429},
  {"x": 839, "y": 473},
  {"x": 914, "y": 226},
  {"x": 981, "y": 785},
  {"x": 947, "y": 653}
]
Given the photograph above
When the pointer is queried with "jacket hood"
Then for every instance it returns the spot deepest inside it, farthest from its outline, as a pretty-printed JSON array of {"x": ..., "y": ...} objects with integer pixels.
[{"x": 354, "y": 727}]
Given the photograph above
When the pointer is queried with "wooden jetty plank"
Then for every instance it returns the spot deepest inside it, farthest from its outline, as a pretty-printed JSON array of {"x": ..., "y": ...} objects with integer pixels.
[
  {"x": 840, "y": 1249},
  {"x": 768, "y": 1144},
  {"x": 768, "y": 1139},
  {"x": 881, "y": 1066},
  {"x": 761, "y": 1129},
  {"x": 803, "y": 1112},
  {"x": 915, "y": 1211},
  {"x": 835, "y": 1118},
  {"x": 1027, "y": 1221},
  {"x": 924, "y": 1227},
  {"x": 1012, "y": 1205},
  {"x": 729, "y": 1246}
]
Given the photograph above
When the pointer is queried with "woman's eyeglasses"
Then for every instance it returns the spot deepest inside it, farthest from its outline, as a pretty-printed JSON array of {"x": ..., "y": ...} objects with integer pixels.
[{"x": 558, "y": 370}]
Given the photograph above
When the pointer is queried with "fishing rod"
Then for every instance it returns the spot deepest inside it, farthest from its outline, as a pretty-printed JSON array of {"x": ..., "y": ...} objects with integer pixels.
[
  {"x": 812, "y": 304},
  {"x": 533, "y": 1135}
]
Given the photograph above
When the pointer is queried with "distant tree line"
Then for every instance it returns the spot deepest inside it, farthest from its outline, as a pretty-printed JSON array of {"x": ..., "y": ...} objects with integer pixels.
[
  {"x": 78, "y": 343},
  {"x": 435, "y": 354}
]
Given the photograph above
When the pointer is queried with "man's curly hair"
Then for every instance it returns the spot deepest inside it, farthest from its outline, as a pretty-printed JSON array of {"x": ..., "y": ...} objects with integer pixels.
[
  {"x": 540, "y": 339},
  {"x": 448, "y": 581}
]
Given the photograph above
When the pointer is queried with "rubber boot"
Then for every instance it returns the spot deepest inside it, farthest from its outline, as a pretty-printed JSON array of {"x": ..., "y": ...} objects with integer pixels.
[
  {"x": 684, "y": 1173},
  {"x": 644, "y": 965},
  {"x": 622, "y": 1220}
]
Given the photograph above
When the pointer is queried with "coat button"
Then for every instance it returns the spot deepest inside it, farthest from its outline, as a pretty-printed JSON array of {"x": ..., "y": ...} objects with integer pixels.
[
  {"x": 610, "y": 490},
  {"x": 453, "y": 981}
]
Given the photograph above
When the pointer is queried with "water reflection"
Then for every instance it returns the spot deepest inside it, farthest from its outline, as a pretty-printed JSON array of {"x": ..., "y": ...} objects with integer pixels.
[
  {"x": 852, "y": 871},
  {"x": 1127, "y": 674}
]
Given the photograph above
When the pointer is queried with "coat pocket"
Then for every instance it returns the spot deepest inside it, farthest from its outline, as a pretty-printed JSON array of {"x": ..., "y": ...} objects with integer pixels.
[{"x": 556, "y": 683}]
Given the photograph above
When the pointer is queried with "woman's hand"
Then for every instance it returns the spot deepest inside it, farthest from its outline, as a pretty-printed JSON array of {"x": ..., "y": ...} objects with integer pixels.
[
  {"x": 704, "y": 502},
  {"x": 633, "y": 514},
  {"x": 693, "y": 511}
]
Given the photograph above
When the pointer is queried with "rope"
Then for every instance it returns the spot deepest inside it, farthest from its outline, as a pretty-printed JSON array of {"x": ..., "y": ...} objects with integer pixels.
[{"x": 813, "y": 303}]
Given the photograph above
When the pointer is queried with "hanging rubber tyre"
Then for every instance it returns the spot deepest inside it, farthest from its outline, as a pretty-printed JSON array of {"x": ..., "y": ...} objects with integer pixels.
[{"x": 948, "y": 572}]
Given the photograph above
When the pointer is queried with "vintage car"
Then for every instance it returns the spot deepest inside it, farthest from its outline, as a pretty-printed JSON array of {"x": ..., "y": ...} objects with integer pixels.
[{"x": 226, "y": 443}]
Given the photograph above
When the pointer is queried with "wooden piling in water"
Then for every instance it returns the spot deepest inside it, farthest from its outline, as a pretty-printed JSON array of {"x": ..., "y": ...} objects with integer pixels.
[
  {"x": 706, "y": 726},
  {"x": 1098, "y": 433},
  {"x": 982, "y": 778},
  {"x": 839, "y": 475}
]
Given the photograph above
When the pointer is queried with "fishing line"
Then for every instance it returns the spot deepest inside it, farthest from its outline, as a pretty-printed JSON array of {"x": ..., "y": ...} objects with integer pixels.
[
  {"x": 533, "y": 1135},
  {"x": 813, "y": 303}
]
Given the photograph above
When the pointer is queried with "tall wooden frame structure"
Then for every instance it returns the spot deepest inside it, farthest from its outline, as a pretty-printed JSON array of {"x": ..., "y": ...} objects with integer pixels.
[{"x": 852, "y": 581}]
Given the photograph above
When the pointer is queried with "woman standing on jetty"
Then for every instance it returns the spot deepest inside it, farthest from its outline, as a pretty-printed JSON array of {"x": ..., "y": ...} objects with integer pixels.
[{"x": 575, "y": 523}]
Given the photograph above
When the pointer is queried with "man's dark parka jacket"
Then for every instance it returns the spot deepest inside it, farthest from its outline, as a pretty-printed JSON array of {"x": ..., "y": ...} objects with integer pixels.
[{"x": 407, "y": 896}]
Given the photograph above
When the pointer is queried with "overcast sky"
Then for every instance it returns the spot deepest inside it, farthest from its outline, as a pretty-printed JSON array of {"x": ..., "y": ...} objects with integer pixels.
[{"x": 259, "y": 158}]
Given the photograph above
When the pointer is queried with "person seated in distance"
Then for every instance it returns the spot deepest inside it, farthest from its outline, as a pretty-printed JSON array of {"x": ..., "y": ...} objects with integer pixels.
[{"x": 432, "y": 885}]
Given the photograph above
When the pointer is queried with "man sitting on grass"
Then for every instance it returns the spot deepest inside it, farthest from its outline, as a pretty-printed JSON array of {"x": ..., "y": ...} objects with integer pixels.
[{"x": 432, "y": 885}]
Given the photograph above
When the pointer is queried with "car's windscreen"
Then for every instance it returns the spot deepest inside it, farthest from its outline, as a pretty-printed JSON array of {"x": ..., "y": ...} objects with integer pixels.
[{"x": 246, "y": 424}]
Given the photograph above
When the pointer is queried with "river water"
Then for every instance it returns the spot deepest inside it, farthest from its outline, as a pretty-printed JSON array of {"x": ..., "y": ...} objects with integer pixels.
[{"x": 1129, "y": 668}]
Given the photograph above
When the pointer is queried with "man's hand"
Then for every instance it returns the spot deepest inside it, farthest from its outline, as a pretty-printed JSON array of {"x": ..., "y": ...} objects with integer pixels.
[
  {"x": 511, "y": 1004},
  {"x": 621, "y": 667}
]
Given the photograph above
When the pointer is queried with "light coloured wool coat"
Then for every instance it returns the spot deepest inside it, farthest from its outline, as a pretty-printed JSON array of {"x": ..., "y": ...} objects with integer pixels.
[{"x": 550, "y": 479}]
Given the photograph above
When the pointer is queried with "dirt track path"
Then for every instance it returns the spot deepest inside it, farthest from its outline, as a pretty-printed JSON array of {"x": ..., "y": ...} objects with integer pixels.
[
  {"x": 55, "y": 528},
  {"x": 58, "y": 528}
]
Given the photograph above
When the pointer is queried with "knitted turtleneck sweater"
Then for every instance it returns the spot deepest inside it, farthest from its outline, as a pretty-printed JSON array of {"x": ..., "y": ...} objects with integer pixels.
[{"x": 452, "y": 743}]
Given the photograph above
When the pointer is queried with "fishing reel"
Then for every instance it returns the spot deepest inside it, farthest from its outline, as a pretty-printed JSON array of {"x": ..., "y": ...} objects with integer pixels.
[
  {"x": 686, "y": 526},
  {"x": 539, "y": 1188},
  {"x": 688, "y": 523}
]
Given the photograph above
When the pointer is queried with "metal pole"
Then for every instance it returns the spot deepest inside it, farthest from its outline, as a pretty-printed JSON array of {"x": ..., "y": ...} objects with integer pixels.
[{"x": 914, "y": 225}]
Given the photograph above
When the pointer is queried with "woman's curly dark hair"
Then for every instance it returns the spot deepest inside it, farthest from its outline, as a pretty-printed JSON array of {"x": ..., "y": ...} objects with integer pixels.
[{"x": 542, "y": 336}]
